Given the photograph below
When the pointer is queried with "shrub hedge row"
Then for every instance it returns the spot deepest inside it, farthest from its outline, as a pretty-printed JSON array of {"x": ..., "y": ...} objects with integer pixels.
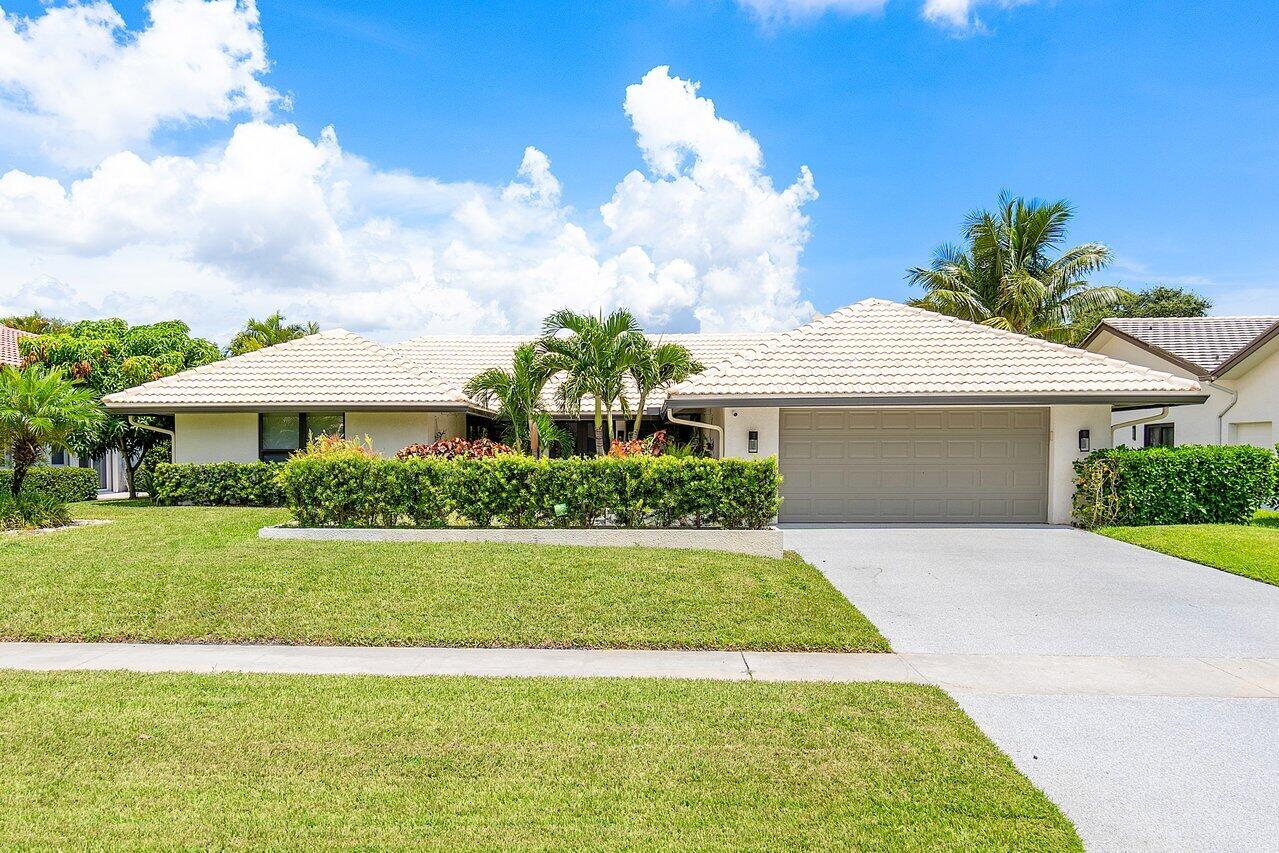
[
  {"x": 351, "y": 488},
  {"x": 65, "y": 484},
  {"x": 217, "y": 484},
  {"x": 1191, "y": 484}
]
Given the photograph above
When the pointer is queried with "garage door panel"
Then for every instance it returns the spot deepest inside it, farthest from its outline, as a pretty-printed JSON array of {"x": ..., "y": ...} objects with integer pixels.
[{"x": 873, "y": 465}]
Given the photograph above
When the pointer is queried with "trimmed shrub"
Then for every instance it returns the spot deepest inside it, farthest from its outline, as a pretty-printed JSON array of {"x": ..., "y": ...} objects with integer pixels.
[
  {"x": 31, "y": 511},
  {"x": 1192, "y": 484},
  {"x": 157, "y": 454},
  {"x": 356, "y": 489},
  {"x": 64, "y": 483},
  {"x": 217, "y": 484}
]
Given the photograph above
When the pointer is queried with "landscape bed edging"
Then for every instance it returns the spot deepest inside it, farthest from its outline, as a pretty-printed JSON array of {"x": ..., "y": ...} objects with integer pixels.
[{"x": 759, "y": 543}]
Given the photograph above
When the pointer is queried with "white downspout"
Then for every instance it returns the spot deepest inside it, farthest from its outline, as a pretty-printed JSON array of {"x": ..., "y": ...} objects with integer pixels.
[
  {"x": 1158, "y": 416},
  {"x": 719, "y": 447},
  {"x": 1221, "y": 423},
  {"x": 173, "y": 438}
]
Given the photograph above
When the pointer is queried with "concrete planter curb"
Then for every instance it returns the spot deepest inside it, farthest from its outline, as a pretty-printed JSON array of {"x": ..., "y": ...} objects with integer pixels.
[{"x": 760, "y": 543}]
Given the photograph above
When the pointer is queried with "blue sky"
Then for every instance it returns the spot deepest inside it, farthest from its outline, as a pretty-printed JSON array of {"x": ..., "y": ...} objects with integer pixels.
[{"x": 1159, "y": 121}]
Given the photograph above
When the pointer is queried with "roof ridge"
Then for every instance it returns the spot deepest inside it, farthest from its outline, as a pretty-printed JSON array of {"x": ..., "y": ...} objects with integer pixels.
[
  {"x": 388, "y": 354},
  {"x": 1266, "y": 317}
]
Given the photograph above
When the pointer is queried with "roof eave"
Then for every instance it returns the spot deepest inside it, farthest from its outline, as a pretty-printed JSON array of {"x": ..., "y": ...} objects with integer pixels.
[
  {"x": 134, "y": 408},
  {"x": 1240, "y": 358},
  {"x": 1114, "y": 398}
]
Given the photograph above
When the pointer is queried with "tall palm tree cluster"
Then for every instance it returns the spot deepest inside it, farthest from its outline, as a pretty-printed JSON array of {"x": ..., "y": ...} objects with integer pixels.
[
  {"x": 606, "y": 360},
  {"x": 1006, "y": 278}
]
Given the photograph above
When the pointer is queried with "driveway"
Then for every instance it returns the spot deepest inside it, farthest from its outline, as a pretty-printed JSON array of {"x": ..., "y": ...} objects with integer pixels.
[{"x": 1133, "y": 773}]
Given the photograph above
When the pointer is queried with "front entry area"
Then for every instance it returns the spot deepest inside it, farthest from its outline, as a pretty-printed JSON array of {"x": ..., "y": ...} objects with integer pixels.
[{"x": 914, "y": 465}]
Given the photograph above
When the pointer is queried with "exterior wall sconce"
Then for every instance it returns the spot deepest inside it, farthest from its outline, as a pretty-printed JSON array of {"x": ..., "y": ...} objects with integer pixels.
[
  {"x": 1085, "y": 441},
  {"x": 752, "y": 441}
]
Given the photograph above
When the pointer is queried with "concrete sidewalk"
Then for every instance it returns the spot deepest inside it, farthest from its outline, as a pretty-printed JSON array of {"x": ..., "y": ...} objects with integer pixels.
[{"x": 956, "y": 673}]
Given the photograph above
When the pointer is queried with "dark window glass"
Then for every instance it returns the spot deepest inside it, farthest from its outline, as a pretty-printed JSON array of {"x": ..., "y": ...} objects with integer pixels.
[
  {"x": 1159, "y": 435},
  {"x": 58, "y": 457},
  {"x": 325, "y": 423},
  {"x": 281, "y": 434}
]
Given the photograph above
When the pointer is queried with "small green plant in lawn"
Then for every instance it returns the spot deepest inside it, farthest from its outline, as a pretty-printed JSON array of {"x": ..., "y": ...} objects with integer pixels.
[{"x": 28, "y": 511}]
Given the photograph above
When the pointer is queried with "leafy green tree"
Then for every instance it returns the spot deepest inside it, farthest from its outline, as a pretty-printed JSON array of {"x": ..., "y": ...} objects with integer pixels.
[
  {"x": 108, "y": 356},
  {"x": 40, "y": 407},
  {"x": 35, "y": 323},
  {"x": 257, "y": 334},
  {"x": 1006, "y": 276},
  {"x": 1158, "y": 301},
  {"x": 657, "y": 366},
  {"x": 517, "y": 393},
  {"x": 595, "y": 355}
]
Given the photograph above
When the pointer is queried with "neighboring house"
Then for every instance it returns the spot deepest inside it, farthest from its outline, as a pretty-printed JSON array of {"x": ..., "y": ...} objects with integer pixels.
[
  {"x": 110, "y": 468},
  {"x": 1235, "y": 359},
  {"x": 876, "y": 412}
]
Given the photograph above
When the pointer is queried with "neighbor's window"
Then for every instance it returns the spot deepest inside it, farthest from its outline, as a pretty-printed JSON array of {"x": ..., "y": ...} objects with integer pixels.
[
  {"x": 1159, "y": 435},
  {"x": 281, "y": 433},
  {"x": 58, "y": 457}
]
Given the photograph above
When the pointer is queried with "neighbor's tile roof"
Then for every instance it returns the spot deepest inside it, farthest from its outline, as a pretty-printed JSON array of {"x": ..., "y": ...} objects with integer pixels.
[
  {"x": 1205, "y": 342},
  {"x": 9, "y": 345},
  {"x": 330, "y": 368},
  {"x": 458, "y": 358},
  {"x": 877, "y": 349}
]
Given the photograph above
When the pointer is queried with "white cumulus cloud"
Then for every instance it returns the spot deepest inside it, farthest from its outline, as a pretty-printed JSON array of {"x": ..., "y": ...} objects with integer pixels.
[
  {"x": 961, "y": 15},
  {"x": 75, "y": 81},
  {"x": 272, "y": 219}
]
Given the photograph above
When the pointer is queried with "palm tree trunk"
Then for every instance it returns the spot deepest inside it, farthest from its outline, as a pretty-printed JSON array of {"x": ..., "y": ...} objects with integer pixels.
[
  {"x": 639, "y": 414},
  {"x": 534, "y": 440},
  {"x": 599, "y": 429},
  {"x": 25, "y": 454}
]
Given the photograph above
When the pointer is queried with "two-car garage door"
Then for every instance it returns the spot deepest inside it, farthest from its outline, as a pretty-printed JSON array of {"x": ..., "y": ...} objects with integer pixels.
[{"x": 890, "y": 465}]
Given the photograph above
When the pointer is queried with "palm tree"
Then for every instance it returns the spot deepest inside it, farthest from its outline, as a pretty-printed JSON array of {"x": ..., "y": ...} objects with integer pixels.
[
  {"x": 39, "y": 407},
  {"x": 1005, "y": 278},
  {"x": 518, "y": 395},
  {"x": 595, "y": 357},
  {"x": 659, "y": 366},
  {"x": 257, "y": 334}
]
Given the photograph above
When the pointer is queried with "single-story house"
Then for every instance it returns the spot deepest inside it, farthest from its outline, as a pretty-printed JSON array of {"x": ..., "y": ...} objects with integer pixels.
[
  {"x": 110, "y": 466},
  {"x": 877, "y": 412},
  {"x": 1235, "y": 359}
]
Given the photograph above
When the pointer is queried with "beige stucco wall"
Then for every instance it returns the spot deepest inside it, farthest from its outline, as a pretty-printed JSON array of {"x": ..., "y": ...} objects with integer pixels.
[
  {"x": 1255, "y": 418},
  {"x": 391, "y": 432},
  {"x": 217, "y": 437},
  {"x": 737, "y": 423},
  {"x": 233, "y": 437},
  {"x": 1192, "y": 424},
  {"x": 1064, "y": 424}
]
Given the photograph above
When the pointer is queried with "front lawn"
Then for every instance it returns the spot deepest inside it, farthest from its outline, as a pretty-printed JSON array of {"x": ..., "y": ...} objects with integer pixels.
[
  {"x": 171, "y": 574},
  {"x": 1251, "y": 550},
  {"x": 305, "y": 762}
]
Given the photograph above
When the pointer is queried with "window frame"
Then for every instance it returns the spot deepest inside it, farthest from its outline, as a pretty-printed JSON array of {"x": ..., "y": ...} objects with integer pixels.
[
  {"x": 1150, "y": 430},
  {"x": 303, "y": 433}
]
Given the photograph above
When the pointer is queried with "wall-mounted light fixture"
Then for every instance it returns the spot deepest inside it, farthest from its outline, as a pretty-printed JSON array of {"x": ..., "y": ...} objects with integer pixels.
[
  {"x": 1085, "y": 441},
  {"x": 752, "y": 441}
]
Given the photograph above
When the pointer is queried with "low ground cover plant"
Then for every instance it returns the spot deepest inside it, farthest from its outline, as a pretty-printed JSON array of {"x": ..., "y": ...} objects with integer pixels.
[
  {"x": 32, "y": 511},
  {"x": 66, "y": 484},
  {"x": 1192, "y": 484},
  {"x": 344, "y": 485},
  {"x": 455, "y": 448}
]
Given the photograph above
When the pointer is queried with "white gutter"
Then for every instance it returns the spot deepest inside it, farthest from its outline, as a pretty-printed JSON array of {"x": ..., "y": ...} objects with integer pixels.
[
  {"x": 1158, "y": 416},
  {"x": 1221, "y": 424},
  {"x": 719, "y": 447},
  {"x": 173, "y": 438}
]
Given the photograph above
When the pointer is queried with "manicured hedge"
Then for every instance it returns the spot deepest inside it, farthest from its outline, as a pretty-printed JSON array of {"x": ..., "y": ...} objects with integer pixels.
[
  {"x": 217, "y": 484},
  {"x": 352, "y": 488},
  {"x": 64, "y": 483},
  {"x": 1192, "y": 484}
]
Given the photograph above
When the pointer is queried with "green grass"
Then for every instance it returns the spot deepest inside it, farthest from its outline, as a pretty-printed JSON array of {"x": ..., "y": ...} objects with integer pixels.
[
  {"x": 170, "y": 574},
  {"x": 301, "y": 762},
  {"x": 1251, "y": 550}
]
